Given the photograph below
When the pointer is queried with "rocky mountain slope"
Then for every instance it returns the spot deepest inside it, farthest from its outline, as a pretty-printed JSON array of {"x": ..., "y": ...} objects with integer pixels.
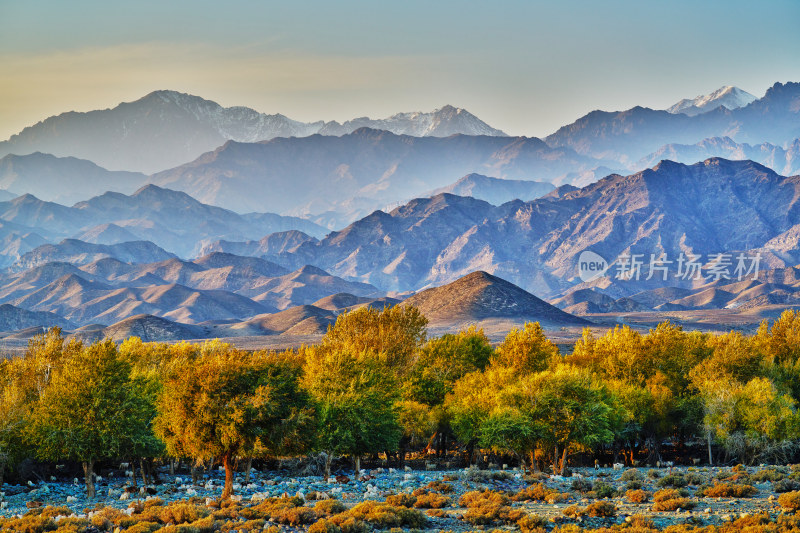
[
  {"x": 104, "y": 285},
  {"x": 480, "y": 296},
  {"x": 710, "y": 207}
]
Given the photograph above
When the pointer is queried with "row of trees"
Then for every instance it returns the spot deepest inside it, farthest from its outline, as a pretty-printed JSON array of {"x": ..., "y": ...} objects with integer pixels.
[{"x": 376, "y": 383}]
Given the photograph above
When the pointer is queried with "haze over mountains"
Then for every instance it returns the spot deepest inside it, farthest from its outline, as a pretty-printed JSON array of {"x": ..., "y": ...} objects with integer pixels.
[
  {"x": 336, "y": 173},
  {"x": 238, "y": 240},
  {"x": 167, "y": 219},
  {"x": 172, "y": 128}
]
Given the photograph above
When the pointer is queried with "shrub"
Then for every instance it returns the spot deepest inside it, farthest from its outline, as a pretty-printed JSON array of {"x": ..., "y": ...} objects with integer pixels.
[
  {"x": 785, "y": 485},
  {"x": 479, "y": 498},
  {"x": 432, "y": 500},
  {"x": 769, "y": 474},
  {"x": 653, "y": 474},
  {"x": 475, "y": 475},
  {"x": 639, "y": 523},
  {"x": 672, "y": 480},
  {"x": 695, "y": 479},
  {"x": 581, "y": 485},
  {"x": 671, "y": 500},
  {"x": 383, "y": 515},
  {"x": 402, "y": 500},
  {"x": 439, "y": 486},
  {"x": 180, "y": 513},
  {"x": 140, "y": 527},
  {"x": 729, "y": 490},
  {"x": 530, "y": 523},
  {"x": 324, "y": 526},
  {"x": 52, "y": 512},
  {"x": 631, "y": 474},
  {"x": 633, "y": 485},
  {"x": 601, "y": 509},
  {"x": 487, "y": 507},
  {"x": 436, "y": 513},
  {"x": 789, "y": 501},
  {"x": 604, "y": 490},
  {"x": 637, "y": 496},
  {"x": 573, "y": 511},
  {"x": 539, "y": 493},
  {"x": 329, "y": 507}
]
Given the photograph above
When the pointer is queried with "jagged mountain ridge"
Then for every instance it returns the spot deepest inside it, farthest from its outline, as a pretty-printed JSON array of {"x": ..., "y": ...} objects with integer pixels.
[
  {"x": 729, "y": 97},
  {"x": 709, "y": 207},
  {"x": 173, "y": 128},
  {"x": 628, "y": 136},
  {"x": 783, "y": 160},
  {"x": 171, "y": 220}
]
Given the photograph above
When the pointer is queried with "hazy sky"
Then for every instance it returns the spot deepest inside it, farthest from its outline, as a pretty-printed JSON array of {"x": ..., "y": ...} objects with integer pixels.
[{"x": 526, "y": 67}]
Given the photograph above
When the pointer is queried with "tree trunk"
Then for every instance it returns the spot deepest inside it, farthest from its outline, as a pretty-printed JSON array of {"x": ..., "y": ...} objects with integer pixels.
[
  {"x": 227, "y": 460},
  {"x": 195, "y": 474},
  {"x": 328, "y": 460},
  {"x": 88, "y": 472},
  {"x": 563, "y": 460},
  {"x": 555, "y": 460},
  {"x": 357, "y": 460},
  {"x": 248, "y": 465},
  {"x": 171, "y": 466},
  {"x": 141, "y": 469},
  {"x": 710, "y": 457}
]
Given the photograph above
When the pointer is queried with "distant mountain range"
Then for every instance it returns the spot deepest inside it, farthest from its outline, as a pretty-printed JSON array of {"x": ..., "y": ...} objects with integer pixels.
[
  {"x": 494, "y": 190},
  {"x": 334, "y": 174},
  {"x": 378, "y": 166},
  {"x": 167, "y": 219},
  {"x": 627, "y": 136},
  {"x": 172, "y": 128},
  {"x": 87, "y": 284},
  {"x": 290, "y": 283},
  {"x": 729, "y": 97},
  {"x": 710, "y": 207},
  {"x": 783, "y": 160}
]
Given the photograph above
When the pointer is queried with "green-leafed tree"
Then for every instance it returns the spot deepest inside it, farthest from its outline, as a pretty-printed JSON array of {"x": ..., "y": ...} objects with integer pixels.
[
  {"x": 88, "y": 411},
  {"x": 355, "y": 396}
]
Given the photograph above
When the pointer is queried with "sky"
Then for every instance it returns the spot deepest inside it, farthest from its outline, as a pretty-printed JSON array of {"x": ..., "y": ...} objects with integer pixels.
[{"x": 526, "y": 67}]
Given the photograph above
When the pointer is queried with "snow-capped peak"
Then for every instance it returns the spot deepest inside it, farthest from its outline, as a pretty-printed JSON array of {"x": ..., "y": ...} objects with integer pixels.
[{"x": 729, "y": 97}]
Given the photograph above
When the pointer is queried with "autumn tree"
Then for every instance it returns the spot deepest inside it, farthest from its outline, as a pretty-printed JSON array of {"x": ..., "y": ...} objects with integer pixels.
[
  {"x": 88, "y": 411},
  {"x": 22, "y": 381},
  {"x": 526, "y": 350},
  {"x": 226, "y": 403},
  {"x": 393, "y": 333}
]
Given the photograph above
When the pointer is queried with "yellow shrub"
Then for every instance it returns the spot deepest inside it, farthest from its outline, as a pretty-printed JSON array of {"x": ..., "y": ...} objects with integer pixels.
[
  {"x": 729, "y": 490},
  {"x": 790, "y": 501}
]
